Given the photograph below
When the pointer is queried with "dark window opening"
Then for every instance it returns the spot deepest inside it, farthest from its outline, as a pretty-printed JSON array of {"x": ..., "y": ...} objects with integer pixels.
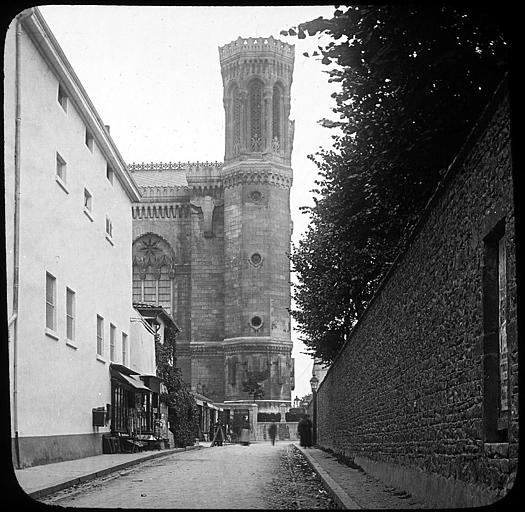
[
  {"x": 276, "y": 121},
  {"x": 109, "y": 173},
  {"x": 256, "y": 321},
  {"x": 62, "y": 97},
  {"x": 87, "y": 199},
  {"x": 495, "y": 357},
  {"x": 255, "y": 99},
  {"x": 61, "y": 168},
  {"x": 255, "y": 195},
  {"x": 89, "y": 140}
]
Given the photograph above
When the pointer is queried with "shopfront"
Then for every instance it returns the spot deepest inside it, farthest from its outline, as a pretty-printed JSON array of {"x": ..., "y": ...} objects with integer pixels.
[
  {"x": 209, "y": 413},
  {"x": 136, "y": 416}
]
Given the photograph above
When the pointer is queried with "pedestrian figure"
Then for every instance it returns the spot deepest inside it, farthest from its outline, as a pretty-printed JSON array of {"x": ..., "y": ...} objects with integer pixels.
[
  {"x": 218, "y": 437},
  {"x": 245, "y": 433},
  {"x": 272, "y": 432},
  {"x": 304, "y": 429}
]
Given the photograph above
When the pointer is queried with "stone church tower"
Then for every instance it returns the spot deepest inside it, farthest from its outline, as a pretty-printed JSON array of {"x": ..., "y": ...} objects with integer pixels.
[{"x": 211, "y": 239}]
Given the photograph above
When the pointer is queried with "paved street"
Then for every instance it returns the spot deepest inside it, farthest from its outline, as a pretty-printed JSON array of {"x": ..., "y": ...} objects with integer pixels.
[{"x": 232, "y": 476}]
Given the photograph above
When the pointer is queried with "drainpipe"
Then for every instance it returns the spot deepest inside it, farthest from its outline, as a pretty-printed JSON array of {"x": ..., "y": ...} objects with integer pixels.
[{"x": 16, "y": 241}]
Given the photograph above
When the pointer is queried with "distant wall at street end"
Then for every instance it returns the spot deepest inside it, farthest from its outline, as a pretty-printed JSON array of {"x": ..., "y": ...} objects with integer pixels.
[{"x": 424, "y": 393}]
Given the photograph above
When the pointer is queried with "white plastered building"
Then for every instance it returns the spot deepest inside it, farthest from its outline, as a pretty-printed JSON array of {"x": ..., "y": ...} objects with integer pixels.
[{"x": 68, "y": 199}]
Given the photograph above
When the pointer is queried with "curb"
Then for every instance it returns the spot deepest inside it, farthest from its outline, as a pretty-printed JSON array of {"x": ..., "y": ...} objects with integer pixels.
[
  {"x": 39, "y": 493},
  {"x": 336, "y": 492}
]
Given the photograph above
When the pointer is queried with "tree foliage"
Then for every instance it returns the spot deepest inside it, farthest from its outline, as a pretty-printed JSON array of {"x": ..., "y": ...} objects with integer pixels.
[
  {"x": 413, "y": 80},
  {"x": 252, "y": 384},
  {"x": 182, "y": 408},
  {"x": 307, "y": 398}
]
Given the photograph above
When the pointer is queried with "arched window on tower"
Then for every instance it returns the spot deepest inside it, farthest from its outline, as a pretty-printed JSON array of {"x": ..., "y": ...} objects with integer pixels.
[
  {"x": 235, "y": 119},
  {"x": 277, "y": 116},
  {"x": 255, "y": 108}
]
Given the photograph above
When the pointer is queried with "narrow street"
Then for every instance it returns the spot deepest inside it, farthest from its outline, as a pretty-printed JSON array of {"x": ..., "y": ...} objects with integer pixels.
[{"x": 229, "y": 477}]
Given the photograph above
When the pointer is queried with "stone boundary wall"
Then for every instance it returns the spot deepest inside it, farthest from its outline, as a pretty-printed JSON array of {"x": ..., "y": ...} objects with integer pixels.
[{"x": 407, "y": 396}]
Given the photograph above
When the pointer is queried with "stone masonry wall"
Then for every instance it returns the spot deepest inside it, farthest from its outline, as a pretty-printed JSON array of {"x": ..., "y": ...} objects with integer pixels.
[
  {"x": 407, "y": 390},
  {"x": 207, "y": 280},
  {"x": 232, "y": 261},
  {"x": 207, "y": 306},
  {"x": 254, "y": 282},
  {"x": 278, "y": 249}
]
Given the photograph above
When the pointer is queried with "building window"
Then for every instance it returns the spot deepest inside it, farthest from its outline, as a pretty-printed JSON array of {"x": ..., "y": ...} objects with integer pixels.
[
  {"x": 235, "y": 113},
  {"x": 100, "y": 336},
  {"x": 112, "y": 335},
  {"x": 62, "y": 97},
  {"x": 276, "y": 121},
  {"x": 89, "y": 140},
  {"x": 88, "y": 204},
  {"x": 50, "y": 301},
  {"x": 255, "y": 106},
  {"x": 256, "y": 259},
  {"x": 87, "y": 200},
  {"x": 256, "y": 322},
  {"x": 502, "y": 328},
  {"x": 61, "y": 168},
  {"x": 495, "y": 356},
  {"x": 109, "y": 173},
  {"x": 124, "y": 349},
  {"x": 255, "y": 196},
  {"x": 154, "y": 272},
  {"x": 70, "y": 314},
  {"x": 109, "y": 227}
]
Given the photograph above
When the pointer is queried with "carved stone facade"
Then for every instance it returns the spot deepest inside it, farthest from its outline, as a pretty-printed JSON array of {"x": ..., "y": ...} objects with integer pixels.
[{"x": 211, "y": 238}]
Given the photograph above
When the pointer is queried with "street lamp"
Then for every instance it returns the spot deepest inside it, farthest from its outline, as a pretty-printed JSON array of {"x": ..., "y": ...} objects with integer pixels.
[
  {"x": 314, "y": 382},
  {"x": 296, "y": 402}
]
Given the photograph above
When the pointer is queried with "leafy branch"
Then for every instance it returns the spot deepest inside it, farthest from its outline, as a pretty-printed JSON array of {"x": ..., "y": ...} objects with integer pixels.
[{"x": 413, "y": 80}]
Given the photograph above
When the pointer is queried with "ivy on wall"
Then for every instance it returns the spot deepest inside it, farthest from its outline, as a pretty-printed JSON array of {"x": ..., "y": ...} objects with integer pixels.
[{"x": 182, "y": 408}]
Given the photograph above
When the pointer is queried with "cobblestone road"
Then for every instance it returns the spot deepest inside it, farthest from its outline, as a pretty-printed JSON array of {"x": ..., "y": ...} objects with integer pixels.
[{"x": 229, "y": 477}]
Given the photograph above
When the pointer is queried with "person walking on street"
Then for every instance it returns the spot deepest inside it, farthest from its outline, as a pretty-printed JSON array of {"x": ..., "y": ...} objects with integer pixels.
[
  {"x": 272, "y": 432},
  {"x": 304, "y": 429},
  {"x": 218, "y": 433},
  {"x": 227, "y": 433},
  {"x": 245, "y": 433}
]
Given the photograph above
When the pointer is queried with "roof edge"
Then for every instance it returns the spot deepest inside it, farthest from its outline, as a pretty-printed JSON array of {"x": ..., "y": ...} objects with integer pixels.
[{"x": 45, "y": 41}]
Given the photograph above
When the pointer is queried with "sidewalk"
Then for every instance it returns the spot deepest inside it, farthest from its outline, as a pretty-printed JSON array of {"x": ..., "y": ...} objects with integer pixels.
[
  {"x": 40, "y": 480},
  {"x": 353, "y": 488}
]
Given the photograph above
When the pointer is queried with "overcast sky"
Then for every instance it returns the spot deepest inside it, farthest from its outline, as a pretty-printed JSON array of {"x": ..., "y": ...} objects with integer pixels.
[{"x": 153, "y": 74}]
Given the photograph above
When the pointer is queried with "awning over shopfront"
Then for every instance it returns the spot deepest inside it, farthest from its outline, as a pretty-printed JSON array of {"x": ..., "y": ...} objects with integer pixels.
[
  {"x": 153, "y": 382},
  {"x": 204, "y": 401},
  {"x": 128, "y": 377},
  {"x": 123, "y": 369}
]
